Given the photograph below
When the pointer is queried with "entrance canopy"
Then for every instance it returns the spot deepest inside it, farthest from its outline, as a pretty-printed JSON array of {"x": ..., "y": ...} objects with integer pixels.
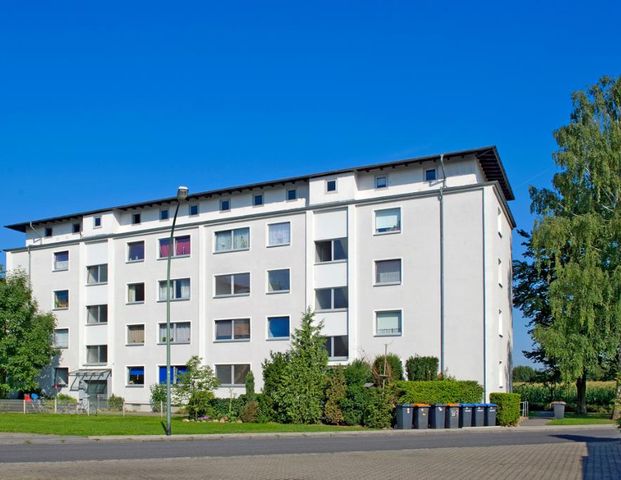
[{"x": 88, "y": 375}]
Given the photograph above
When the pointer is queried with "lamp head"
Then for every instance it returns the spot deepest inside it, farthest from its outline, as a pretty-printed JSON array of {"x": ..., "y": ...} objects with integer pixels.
[{"x": 182, "y": 193}]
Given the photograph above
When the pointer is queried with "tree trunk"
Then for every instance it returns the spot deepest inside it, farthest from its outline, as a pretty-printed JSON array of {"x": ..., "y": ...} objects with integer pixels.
[
  {"x": 616, "y": 406},
  {"x": 581, "y": 383}
]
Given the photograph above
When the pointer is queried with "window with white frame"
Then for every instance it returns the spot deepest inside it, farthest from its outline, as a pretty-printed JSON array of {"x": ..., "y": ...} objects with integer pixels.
[
  {"x": 61, "y": 299},
  {"x": 430, "y": 174},
  {"x": 232, "y": 240},
  {"x": 388, "y": 220},
  {"x": 337, "y": 347},
  {"x": 61, "y": 338},
  {"x": 61, "y": 377},
  {"x": 331, "y": 186},
  {"x": 179, "y": 332},
  {"x": 278, "y": 280},
  {"x": 181, "y": 248},
  {"x": 278, "y": 234},
  {"x": 234, "y": 329},
  {"x": 232, "y": 375},
  {"x": 232, "y": 284},
  {"x": 330, "y": 298},
  {"x": 135, "y": 375},
  {"x": 96, "y": 314},
  {"x": 97, "y": 274},
  {"x": 135, "y": 293},
  {"x": 164, "y": 214},
  {"x": 61, "y": 261},
  {"x": 257, "y": 200},
  {"x": 381, "y": 181},
  {"x": 135, "y": 334},
  {"x": 278, "y": 327},
  {"x": 387, "y": 272},
  {"x": 388, "y": 323},
  {"x": 96, "y": 354},
  {"x": 225, "y": 204},
  {"x": 179, "y": 289},
  {"x": 135, "y": 251},
  {"x": 176, "y": 372},
  {"x": 331, "y": 250}
]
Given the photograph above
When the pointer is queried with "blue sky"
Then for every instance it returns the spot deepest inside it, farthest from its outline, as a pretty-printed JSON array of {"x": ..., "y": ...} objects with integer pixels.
[{"x": 105, "y": 103}]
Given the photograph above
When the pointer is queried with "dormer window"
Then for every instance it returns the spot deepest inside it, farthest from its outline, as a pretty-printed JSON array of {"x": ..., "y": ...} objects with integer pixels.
[
  {"x": 258, "y": 200},
  {"x": 381, "y": 181},
  {"x": 331, "y": 186},
  {"x": 430, "y": 175},
  {"x": 164, "y": 214},
  {"x": 136, "y": 219},
  {"x": 193, "y": 210},
  {"x": 292, "y": 194},
  {"x": 77, "y": 228},
  {"x": 225, "y": 205},
  {"x": 96, "y": 222},
  {"x": 48, "y": 231}
]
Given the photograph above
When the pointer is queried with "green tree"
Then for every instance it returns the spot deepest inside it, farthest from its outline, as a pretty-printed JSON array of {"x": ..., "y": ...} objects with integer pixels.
[
  {"x": 525, "y": 373},
  {"x": 195, "y": 387},
  {"x": 576, "y": 238},
  {"x": 335, "y": 394},
  {"x": 25, "y": 336}
]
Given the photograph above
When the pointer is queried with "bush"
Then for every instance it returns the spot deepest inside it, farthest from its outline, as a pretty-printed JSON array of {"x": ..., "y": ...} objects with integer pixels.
[
  {"x": 353, "y": 406},
  {"x": 599, "y": 395},
  {"x": 64, "y": 398},
  {"x": 335, "y": 394},
  {"x": 229, "y": 408},
  {"x": 250, "y": 394},
  {"x": 508, "y": 412},
  {"x": 274, "y": 370},
  {"x": 524, "y": 373},
  {"x": 250, "y": 412},
  {"x": 388, "y": 368},
  {"x": 199, "y": 404},
  {"x": 439, "y": 391},
  {"x": 158, "y": 397},
  {"x": 378, "y": 408},
  {"x": 115, "y": 403},
  {"x": 422, "y": 368}
]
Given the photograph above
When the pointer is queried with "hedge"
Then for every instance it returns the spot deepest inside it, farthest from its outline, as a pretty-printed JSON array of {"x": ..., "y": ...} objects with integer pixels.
[
  {"x": 439, "y": 391},
  {"x": 508, "y": 412},
  {"x": 599, "y": 395},
  {"x": 422, "y": 368}
]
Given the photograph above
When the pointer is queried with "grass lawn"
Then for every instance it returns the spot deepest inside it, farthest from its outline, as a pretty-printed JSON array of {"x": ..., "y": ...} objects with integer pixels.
[
  {"x": 588, "y": 419},
  {"x": 62, "y": 424}
]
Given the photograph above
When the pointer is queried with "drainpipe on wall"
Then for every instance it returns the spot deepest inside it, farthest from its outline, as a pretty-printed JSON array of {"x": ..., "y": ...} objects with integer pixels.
[{"x": 442, "y": 186}]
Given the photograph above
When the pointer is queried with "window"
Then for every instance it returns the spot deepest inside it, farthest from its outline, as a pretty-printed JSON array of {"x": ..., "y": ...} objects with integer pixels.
[
  {"x": 77, "y": 228},
  {"x": 232, "y": 375},
  {"x": 61, "y": 338},
  {"x": 182, "y": 247},
  {"x": 292, "y": 194},
  {"x": 331, "y": 250},
  {"x": 225, "y": 205},
  {"x": 96, "y": 314},
  {"x": 337, "y": 347},
  {"x": 257, "y": 200},
  {"x": 278, "y": 234},
  {"x": 231, "y": 240},
  {"x": 164, "y": 214},
  {"x": 277, "y": 327},
  {"x": 135, "y": 334},
  {"x": 387, "y": 272},
  {"x": 136, "y": 218},
  {"x": 331, "y": 298},
  {"x": 61, "y": 377},
  {"x": 388, "y": 323},
  {"x": 61, "y": 261},
  {"x": 193, "y": 210},
  {"x": 96, "y": 222},
  {"x": 499, "y": 221},
  {"x": 180, "y": 289},
  {"x": 96, "y": 274},
  {"x": 179, "y": 332},
  {"x": 176, "y": 371},
  {"x": 331, "y": 186},
  {"x": 135, "y": 375},
  {"x": 135, "y": 293},
  {"x": 500, "y": 272},
  {"x": 430, "y": 174},
  {"x": 232, "y": 284},
  {"x": 96, "y": 354},
  {"x": 135, "y": 251},
  {"x": 237, "y": 329},
  {"x": 500, "y": 324},
  {"x": 388, "y": 221},
  {"x": 48, "y": 231},
  {"x": 61, "y": 299},
  {"x": 381, "y": 181},
  {"x": 278, "y": 280}
]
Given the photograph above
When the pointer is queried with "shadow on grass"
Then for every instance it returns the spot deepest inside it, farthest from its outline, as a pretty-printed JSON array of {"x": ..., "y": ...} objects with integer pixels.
[{"x": 603, "y": 459}]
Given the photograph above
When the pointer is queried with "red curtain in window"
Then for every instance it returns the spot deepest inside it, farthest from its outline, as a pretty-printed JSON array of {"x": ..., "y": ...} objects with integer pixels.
[
  {"x": 182, "y": 246},
  {"x": 164, "y": 247}
]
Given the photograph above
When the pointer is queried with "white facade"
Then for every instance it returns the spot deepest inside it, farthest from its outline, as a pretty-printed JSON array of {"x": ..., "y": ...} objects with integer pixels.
[{"x": 379, "y": 285}]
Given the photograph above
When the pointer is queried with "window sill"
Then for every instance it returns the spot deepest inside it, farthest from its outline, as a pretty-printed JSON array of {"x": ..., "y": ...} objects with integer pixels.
[
  {"x": 60, "y": 270},
  {"x": 378, "y": 234},
  {"x": 332, "y": 310},
  {"x": 337, "y": 359},
  {"x": 135, "y": 261},
  {"x": 232, "y": 340},
  {"x": 60, "y": 348},
  {"x": 95, "y": 364},
  {"x": 279, "y": 245},
  {"x": 96, "y": 284},
  {"x": 276, "y": 292},
  {"x": 386, "y": 284},
  {"x": 172, "y": 257},
  {"x": 231, "y": 385},
  {"x": 218, "y": 252},
  {"x": 134, "y": 344},
  {"x": 94, "y": 324},
  {"x": 331, "y": 262},
  {"x": 174, "y": 343},
  {"x": 388, "y": 334},
  {"x": 135, "y": 303},
  {"x": 175, "y": 300},
  {"x": 278, "y": 339},
  {"x": 232, "y": 295},
  {"x": 56, "y": 309},
  {"x": 134, "y": 386}
]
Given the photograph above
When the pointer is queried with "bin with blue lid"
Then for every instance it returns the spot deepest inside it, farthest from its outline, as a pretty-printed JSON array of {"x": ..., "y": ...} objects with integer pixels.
[
  {"x": 478, "y": 415},
  {"x": 490, "y": 414},
  {"x": 465, "y": 414}
]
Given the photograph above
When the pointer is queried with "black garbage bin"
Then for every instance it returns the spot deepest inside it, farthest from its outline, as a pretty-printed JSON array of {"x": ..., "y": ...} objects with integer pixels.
[
  {"x": 437, "y": 415},
  {"x": 452, "y": 416},
  {"x": 421, "y": 415},
  {"x": 465, "y": 415},
  {"x": 490, "y": 414},
  {"x": 478, "y": 415},
  {"x": 404, "y": 417}
]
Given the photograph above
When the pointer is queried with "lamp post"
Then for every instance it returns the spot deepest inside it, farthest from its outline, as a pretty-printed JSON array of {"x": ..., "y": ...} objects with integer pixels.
[{"x": 182, "y": 194}]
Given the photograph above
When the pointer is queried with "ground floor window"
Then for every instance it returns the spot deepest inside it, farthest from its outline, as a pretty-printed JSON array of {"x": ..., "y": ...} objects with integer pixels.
[
  {"x": 232, "y": 375},
  {"x": 175, "y": 373},
  {"x": 337, "y": 347},
  {"x": 135, "y": 375},
  {"x": 61, "y": 377}
]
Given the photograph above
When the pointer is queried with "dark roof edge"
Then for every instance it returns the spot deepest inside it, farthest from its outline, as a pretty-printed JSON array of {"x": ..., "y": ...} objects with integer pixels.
[{"x": 481, "y": 152}]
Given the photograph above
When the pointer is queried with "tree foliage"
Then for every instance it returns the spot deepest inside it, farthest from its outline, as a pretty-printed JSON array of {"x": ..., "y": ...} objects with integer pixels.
[
  {"x": 335, "y": 394},
  {"x": 525, "y": 373},
  {"x": 25, "y": 336},
  {"x": 195, "y": 387}
]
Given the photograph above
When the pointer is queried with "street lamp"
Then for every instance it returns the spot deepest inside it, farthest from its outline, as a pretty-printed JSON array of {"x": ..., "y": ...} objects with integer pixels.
[{"x": 182, "y": 194}]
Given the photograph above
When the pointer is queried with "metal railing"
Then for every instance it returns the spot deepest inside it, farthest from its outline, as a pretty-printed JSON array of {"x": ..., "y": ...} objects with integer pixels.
[
  {"x": 93, "y": 405},
  {"x": 524, "y": 409}
]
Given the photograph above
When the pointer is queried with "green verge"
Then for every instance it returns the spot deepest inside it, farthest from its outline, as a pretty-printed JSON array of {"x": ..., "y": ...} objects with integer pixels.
[
  {"x": 100, "y": 425},
  {"x": 589, "y": 419}
]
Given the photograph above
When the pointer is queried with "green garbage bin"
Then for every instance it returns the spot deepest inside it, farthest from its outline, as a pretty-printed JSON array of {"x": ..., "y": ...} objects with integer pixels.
[
  {"x": 490, "y": 414},
  {"x": 478, "y": 415},
  {"x": 421, "y": 415},
  {"x": 437, "y": 415},
  {"x": 452, "y": 416},
  {"x": 465, "y": 415},
  {"x": 404, "y": 417}
]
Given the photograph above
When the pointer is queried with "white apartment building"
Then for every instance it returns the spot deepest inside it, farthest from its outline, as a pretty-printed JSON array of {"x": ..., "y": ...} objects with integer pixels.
[{"x": 413, "y": 256}]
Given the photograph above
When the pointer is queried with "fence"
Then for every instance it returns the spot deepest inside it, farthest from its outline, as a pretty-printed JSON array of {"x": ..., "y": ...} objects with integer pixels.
[
  {"x": 93, "y": 405},
  {"x": 524, "y": 409}
]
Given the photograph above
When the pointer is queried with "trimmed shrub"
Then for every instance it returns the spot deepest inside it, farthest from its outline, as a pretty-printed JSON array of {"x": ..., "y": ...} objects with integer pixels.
[
  {"x": 226, "y": 407},
  {"x": 378, "y": 408},
  {"x": 357, "y": 374},
  {"x": 115, "y": 403},
  {"x": 422, "y": 368},
  {"x": 508, "y": 412},
  {"x": 274, "y": 370},
  {"x": 250, "y": 412},
  {"x": 250, "y": 395},
  {"x": 439, "y": 391},
  {"x": 599, "y": 395},
  {"x": 335, "y": 394},
  {"x": 199, "y": 404},
  {"x": 388, "y": 368}
]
